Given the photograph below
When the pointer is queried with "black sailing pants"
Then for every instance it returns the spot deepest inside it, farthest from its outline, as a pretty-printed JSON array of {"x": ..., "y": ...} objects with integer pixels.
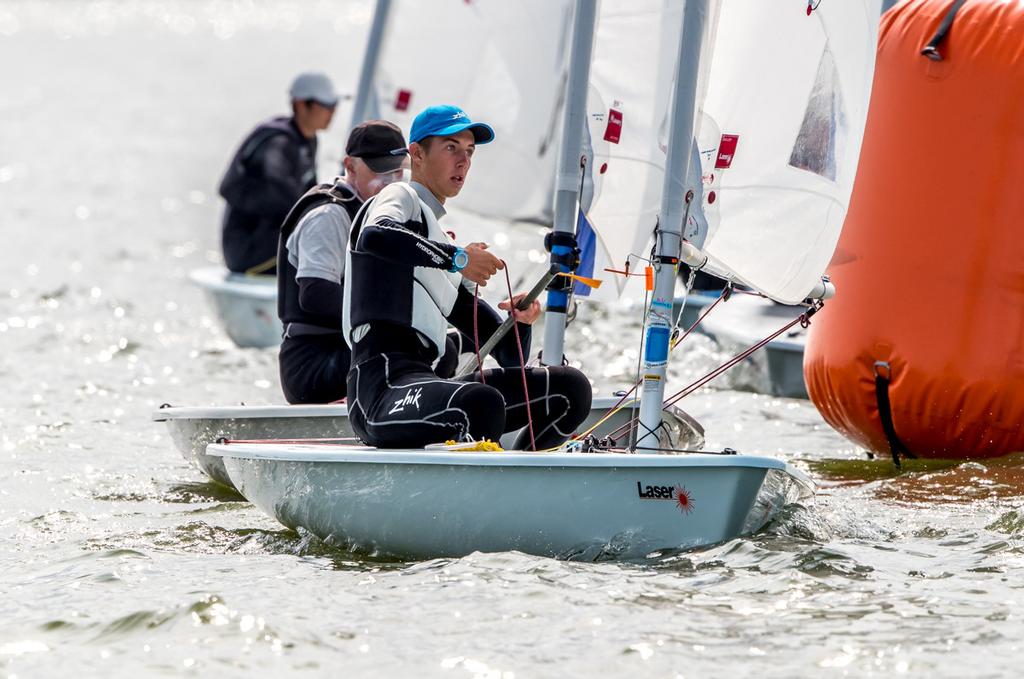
[{"x": 396, "y": 401}]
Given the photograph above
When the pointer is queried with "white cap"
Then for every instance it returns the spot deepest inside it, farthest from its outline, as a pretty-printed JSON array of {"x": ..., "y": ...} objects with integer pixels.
[{"x": 316, "y": 86}]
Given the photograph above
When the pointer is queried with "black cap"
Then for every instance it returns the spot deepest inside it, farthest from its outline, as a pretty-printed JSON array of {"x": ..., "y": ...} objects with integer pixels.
[{"x": 379, "y": 144}]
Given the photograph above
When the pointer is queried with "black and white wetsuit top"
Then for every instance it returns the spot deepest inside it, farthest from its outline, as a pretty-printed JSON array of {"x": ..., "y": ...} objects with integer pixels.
[{"x": 398, "y": 278}]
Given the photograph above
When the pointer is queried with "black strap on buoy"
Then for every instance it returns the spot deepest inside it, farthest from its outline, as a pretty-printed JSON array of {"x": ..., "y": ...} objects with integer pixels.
[
  {"x": 931, "y": 50},
  {"x": 883, "y": 376}
]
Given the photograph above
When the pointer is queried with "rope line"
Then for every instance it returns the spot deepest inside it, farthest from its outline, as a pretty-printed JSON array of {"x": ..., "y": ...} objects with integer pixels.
[
  {"x": 522, "y": 360},
  {"x": 476, "y": 333},
  {"x": 311, "y": 441},
  {"x": 802, "y": 319}
]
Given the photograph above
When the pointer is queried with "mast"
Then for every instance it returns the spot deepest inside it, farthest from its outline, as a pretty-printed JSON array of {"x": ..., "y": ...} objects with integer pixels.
[
  {"x": 567, "y": 179},
  {"x": 672, "y": 213},
  {"x": 363, "y": 105}
]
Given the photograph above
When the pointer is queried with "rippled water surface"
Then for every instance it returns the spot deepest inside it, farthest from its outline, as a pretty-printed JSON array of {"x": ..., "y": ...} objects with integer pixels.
[{"x": 116, "y": 559}]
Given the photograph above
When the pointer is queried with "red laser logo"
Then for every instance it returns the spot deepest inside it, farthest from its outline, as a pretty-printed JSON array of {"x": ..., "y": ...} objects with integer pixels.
[{"x": 684, "y": 500}]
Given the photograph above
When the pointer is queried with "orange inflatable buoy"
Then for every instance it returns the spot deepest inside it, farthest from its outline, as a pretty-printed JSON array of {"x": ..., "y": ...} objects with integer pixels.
[{"x": 922, "y": 350}]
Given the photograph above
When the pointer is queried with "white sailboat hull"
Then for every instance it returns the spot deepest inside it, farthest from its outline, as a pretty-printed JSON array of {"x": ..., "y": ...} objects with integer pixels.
[
  {"x": 246, "y": 306},
  {"x": 425, "y": 504},
  {"x": 193, "y": 428}
]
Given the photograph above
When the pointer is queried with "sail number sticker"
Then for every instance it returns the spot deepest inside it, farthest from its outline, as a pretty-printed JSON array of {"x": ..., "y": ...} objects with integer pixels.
[
  {"x": 613, "y": 130},
  {"x": 726, "y": 151},
  {"x": 402, "y": 100}
]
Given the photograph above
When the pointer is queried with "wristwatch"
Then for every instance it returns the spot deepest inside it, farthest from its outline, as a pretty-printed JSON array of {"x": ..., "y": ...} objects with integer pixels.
[{"x": 459, "y": 260}]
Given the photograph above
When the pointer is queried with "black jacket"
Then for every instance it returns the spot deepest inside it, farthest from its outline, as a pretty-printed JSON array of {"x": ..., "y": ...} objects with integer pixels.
[{"x": 271, "y": 170}]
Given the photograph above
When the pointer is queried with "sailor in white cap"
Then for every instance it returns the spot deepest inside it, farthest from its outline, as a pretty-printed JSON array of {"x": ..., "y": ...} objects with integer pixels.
[{"x": 271, "y": 169}]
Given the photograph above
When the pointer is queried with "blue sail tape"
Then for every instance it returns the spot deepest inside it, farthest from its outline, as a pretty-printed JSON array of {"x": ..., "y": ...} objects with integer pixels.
[{"x": 656, "y": 349}]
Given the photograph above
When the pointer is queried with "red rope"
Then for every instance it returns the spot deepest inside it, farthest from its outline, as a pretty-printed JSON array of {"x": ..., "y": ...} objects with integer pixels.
[
  {"x": 679, "y": 395},
  {"x": 693, "y": 386},
  {"x": 699, "y": 319},
  {"x": 632, "y": 389},
  {"x": 323, "y": 441},
  {"x": 476, "y": 333},
  {"x": 522, "y": 360}
]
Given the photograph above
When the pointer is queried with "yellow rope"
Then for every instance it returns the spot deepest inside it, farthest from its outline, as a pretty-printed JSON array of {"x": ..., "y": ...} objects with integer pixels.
[
  {"x": 260, "y": 268},
  {"x": 484, "y": 446}
]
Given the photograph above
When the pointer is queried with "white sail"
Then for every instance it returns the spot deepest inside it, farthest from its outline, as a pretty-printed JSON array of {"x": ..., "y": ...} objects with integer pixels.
[
  {"x": 631, "y": 76},
  {"x": 780, "y": 137},
  {"x": 783, "y": 99},
  {"x": 505, "y": 64}
]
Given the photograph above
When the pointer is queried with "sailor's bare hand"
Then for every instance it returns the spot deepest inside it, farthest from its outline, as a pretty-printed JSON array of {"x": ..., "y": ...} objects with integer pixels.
[
  {"x": 527, "y": 315},
  {"x": 482, "y": 264}
]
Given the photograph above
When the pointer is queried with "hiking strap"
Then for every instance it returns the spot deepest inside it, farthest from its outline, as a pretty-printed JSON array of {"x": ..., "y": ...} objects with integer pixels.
[
  {"x": 883, "y": 378},
  {"x": 931, "y": 50}
]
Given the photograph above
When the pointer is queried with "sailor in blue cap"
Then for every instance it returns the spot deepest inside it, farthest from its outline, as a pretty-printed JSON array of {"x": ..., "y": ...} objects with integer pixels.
[{"x": 407, "y": 281}]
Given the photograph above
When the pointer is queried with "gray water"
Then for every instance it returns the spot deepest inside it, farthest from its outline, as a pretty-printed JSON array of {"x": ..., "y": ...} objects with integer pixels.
[{"x": 117, "y": 559}]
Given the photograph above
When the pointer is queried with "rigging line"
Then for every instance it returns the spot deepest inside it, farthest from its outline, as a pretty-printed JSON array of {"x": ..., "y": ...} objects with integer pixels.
[
  {"x": 522, "y": 360},
  {"x": 682, "y": 307},
  {"x": 476, "y": 332},
  {"x": 620, "y": 404},
  {"x": 700, "y": 382},
  {"x": 640, "y": 354},
  {"x": 635, "y": 431},
  {"x": 317, "y": 441},
  {"x": 700, "y": 318},
  {"x": 675, "y": 398},
  {"x": 571, "y": 297},
  {"x": 689, "y": 279}
]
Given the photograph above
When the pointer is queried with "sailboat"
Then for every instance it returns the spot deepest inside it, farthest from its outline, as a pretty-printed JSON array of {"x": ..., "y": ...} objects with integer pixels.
[
  {"x": 583, "y": 500},
  {"x": 245, "y": 306},
  {"x": 521, "y": 93}
]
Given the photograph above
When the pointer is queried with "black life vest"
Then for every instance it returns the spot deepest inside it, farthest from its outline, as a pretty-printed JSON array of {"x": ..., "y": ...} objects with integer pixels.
[
  {"x": 238, "y": 168},
  {"x": 288, "y": 308},
  {"x": 253, "y": 215}
]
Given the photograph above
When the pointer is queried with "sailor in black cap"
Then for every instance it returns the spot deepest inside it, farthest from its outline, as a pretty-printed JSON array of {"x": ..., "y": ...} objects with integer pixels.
[
  {"x": 314, "y": 358},
  {"x": 406, "y": 282}
]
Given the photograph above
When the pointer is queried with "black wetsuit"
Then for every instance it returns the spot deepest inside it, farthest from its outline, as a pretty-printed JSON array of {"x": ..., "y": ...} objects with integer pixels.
[
  {"x": 395, "y": 400},
  {"x": 271, "y": 169}
]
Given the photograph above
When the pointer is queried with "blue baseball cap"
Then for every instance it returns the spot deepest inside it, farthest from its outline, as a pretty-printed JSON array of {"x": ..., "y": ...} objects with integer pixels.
[{"x": 442, "y": 121}]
